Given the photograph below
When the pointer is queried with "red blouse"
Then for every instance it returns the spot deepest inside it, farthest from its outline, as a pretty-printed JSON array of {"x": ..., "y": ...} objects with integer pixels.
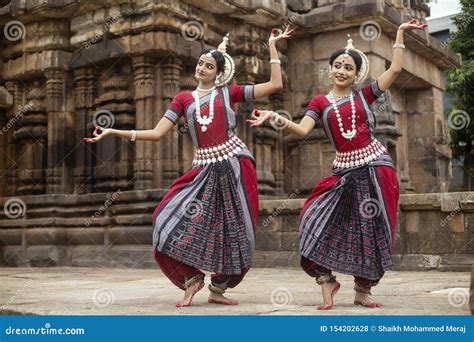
[
  {"x": 320, "y": 109},
  {"x": 223, "y": 124}
]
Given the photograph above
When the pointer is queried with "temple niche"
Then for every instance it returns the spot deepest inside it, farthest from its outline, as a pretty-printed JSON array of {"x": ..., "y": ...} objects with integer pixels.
[{"x": 70, "y": 65}]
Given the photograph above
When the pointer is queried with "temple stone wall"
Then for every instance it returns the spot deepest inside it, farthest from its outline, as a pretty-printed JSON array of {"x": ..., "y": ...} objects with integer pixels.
[
  {"x": 119, "y": 64},
  {"x": 435, "y": 231}
]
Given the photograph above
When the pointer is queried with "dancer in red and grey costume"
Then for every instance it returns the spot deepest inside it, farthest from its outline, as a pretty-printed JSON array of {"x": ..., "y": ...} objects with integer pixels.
[
  {"x": 206, "y": 221},
  {"x": 348, "y": 223}
]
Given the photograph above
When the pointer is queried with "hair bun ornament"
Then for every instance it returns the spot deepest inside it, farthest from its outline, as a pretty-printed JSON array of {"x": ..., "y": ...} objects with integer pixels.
[
  {"x": 229, "y": 68},
  {"x": 364, "y": 68}
]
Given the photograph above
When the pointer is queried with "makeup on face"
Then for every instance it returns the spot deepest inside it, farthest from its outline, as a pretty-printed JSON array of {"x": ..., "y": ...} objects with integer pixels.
[
  {"x": 343, "y": 68},
  {"x": 206, "y": 66}
]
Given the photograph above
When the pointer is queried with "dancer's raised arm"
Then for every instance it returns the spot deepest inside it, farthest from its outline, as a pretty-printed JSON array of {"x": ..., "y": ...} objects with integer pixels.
[
  {"x": 388, "y": 77},
  {"x": 275, "y": 83}
]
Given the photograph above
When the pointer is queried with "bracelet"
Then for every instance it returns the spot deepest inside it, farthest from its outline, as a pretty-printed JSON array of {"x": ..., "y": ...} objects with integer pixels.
[
  {"x": 134, "y": 135},
  {"x": 402, "y": 46},
  {"x": 275, "y": 116},
  {"x": 275, "y": 61}
]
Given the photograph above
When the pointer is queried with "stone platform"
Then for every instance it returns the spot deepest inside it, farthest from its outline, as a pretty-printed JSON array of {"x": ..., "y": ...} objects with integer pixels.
[{"x": 265, "y": 291}]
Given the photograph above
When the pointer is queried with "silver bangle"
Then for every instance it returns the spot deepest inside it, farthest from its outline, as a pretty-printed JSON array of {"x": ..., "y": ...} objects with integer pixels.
[
  {"x": 402, "y": 46},
  {"x": 275, "y": 61},
  {"x": 134, "y": 135}
]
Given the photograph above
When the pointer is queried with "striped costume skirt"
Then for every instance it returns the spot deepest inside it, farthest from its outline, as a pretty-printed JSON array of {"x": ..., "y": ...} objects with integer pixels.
[
  {"x": 348, "y": 223},
  {"x": 207, "y": 218}
]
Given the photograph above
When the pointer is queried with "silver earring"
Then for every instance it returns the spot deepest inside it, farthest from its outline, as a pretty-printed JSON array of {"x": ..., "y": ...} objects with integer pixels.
[{"x": 217, "y": 81}]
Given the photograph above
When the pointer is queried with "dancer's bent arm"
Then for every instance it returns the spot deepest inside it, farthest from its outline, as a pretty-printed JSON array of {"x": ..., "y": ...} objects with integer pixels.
[
  {"x": 301, "y": 130},
  {"x": 163, "y": 127}
]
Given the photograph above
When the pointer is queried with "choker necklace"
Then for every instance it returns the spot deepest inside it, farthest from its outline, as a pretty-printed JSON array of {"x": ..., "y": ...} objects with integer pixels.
[
  {"x": 349, "y": 134},
  {"x": 338, "y": 97},
  {"x": 205, "y": 120},
  {"x": 202, "y": 90}
]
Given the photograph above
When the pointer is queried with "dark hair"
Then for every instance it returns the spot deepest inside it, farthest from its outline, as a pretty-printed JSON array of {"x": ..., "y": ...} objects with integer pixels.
[
  {"x": 218, "y": 57},
  {"x": 355, "y": 56}
]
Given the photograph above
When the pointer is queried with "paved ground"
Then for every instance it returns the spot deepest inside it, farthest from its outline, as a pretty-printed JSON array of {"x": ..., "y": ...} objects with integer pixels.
[{"x": 265, "y": 291}]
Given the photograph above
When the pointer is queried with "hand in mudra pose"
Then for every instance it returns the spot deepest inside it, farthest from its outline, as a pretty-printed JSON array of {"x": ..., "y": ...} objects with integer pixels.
[
  {"x": 99, "y": 133},
  {"x": 413, "y": 24},
  {"x": 258, "y": 117}
]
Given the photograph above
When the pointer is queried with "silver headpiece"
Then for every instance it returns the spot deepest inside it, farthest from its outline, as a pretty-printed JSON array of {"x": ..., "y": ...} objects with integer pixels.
[
  {"x": 364, "y": 68},
  {"x": 229, "y": 68}
]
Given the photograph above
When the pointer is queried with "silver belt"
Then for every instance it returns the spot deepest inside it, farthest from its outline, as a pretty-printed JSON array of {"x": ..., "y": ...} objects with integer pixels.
[
  {"x": 218, "y": 153},
  {"x": 359, "y": 157}
]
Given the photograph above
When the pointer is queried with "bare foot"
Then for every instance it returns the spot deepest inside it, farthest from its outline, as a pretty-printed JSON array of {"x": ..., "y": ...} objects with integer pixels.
[
  {"x": 220, "y": 299},
  {"x": 189, "y": 294},
  {"x": 366, "y": 300},
  {"x": 328, "y": 291}
]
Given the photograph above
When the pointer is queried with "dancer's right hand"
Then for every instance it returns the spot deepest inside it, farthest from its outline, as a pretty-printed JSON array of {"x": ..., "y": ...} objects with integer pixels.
[
  {"x": 99, "y": 133},
  {"x": 258, "y": 117},
  {"x": 278, "y": 34}
]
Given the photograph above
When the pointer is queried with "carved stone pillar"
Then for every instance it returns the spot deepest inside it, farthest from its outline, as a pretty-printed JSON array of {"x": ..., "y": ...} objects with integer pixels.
[
  {"x": 15, "y": 88},
  {"x": 30, "y": 137},
  {"x": 278, "y": 162},
  {"x": 6, "y": 101},
  {"x": 114, "y": 168},
  {"x": 144, "y": 82},
  {"x": 171, "y": 71},
  {"x": 56, "y": 172},
  {"x": 84, "y": 91}
]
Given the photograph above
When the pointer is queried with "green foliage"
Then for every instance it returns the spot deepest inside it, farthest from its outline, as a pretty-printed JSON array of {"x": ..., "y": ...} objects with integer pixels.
[{"x": 461, "y": 83}]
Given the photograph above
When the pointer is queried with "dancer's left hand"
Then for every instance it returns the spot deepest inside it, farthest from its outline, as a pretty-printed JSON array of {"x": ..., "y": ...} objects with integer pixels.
[
  {"x": 413, "y": 24},
  {"x": 278, "y": 34}
]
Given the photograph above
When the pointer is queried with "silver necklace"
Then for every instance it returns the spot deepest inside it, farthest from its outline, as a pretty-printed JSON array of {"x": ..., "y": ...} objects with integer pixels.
[
  {"x": 349, "y": 134},
  {"x": 205, "y": 120}
]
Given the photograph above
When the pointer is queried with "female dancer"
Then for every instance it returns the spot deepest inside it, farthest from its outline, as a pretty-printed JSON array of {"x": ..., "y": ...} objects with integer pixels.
[
  {"x": 348, "y": 222},
  {"x": 207, "y": 219}
]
